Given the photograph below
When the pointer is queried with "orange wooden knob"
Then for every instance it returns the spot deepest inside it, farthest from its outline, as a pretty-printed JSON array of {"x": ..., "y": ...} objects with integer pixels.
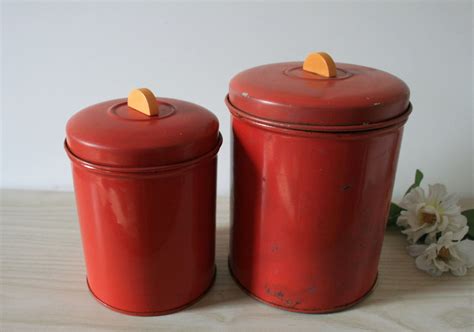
[
  {"x": 320, "y": 63},
  {"x": 144, "y": 101}
]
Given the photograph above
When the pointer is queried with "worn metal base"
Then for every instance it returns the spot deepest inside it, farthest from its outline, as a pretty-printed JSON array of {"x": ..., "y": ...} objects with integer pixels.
[
  {"x": 305, "y": 311},
  {"x": 155, "y": 313}
]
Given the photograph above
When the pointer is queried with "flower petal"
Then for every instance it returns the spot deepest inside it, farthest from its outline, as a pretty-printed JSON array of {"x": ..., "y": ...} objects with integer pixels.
[
  {"x": 458, "y": 236},
  {"x": 449, "y": 205},
  {"x": 460, "y": 271},
  {"x": 466, "y": 252},
  {"x": 436, "y": 193},
  {"x": 456, "y": 223},
  {"x": 427, "y": 265},
  {"x": 423, "y": 263},
  {"x": 415, "y": 196},
  {"x": 446, "y": 239}
]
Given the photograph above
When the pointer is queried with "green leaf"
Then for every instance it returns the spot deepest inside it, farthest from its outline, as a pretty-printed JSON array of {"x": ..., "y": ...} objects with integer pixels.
[
  {"x": 393, "y": 215},
  {"x": 418, "y": 177},
  {"x": 469, "y": 214}
]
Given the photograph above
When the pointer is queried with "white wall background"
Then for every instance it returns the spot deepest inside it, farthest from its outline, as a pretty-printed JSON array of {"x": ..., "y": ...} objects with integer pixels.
[{"x": 60, "y": 57}]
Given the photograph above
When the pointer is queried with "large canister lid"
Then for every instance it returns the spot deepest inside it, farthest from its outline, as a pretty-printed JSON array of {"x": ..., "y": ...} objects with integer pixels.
[
  {"x": 142, "y": 131},
  {"x": 319, "y": 92}
]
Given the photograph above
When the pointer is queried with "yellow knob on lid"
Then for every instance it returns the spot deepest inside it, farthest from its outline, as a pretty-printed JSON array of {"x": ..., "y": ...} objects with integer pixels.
[
  {"x": 320, "y": 63},
  {"x": 144, "y": 101}
]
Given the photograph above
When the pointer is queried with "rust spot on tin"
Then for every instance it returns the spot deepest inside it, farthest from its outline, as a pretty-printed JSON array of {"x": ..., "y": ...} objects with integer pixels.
[
  {"x": 281, "y": 296},
  {"x": 346, "y": 187},
  {"x": 292, "y": 304}
]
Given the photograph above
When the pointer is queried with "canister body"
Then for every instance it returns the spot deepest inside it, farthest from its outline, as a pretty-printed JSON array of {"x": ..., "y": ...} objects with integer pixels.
[
  {"x": 148, "y": 234},
  {"x": 309, "y": 211}
]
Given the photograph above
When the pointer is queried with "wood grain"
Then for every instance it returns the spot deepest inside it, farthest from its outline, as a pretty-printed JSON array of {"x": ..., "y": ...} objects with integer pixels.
[{"x": 43, "y": 284}]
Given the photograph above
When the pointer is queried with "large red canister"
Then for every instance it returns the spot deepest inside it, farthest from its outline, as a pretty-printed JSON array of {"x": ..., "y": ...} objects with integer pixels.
[
  {"x": 315, "y": 150},
  {"x": 144, "y": 174}
]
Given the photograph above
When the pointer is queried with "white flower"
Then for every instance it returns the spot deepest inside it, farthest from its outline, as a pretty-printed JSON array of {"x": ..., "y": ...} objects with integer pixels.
[
  {"x": 447, "y": 254},
  {"x": 437, "y": 212}
]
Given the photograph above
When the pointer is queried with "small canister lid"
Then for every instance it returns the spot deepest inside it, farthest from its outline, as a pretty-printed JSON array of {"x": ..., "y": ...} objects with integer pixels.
[
  {"x": 319, "y": 92},
  {"x": 142, "y": 131}
]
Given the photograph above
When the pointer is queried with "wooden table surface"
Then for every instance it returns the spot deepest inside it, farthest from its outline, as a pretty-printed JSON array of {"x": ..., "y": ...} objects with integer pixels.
[{"x": 43, "y": 284}]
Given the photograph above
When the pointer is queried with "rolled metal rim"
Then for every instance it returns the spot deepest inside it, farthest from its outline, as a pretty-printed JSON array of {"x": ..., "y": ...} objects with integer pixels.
[
  {"x": 397, "y": 121},
  {"x": 143, "y": 170}
]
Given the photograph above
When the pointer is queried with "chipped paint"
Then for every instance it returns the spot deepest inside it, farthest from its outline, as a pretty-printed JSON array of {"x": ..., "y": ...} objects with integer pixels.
[
  {"x": 312, "y": 290},
  {"x": 281, "y": 297},
  {"x": 346, "y": 187}
]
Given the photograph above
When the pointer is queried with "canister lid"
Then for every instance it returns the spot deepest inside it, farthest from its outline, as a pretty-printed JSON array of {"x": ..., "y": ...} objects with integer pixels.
[
  {"x": 319, "y": 92},
  {"x": 142, "y": 131}
]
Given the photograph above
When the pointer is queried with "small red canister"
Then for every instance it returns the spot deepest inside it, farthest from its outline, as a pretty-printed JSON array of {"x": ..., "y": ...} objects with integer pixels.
[
  {"x": 145, "y": 183},
  {"x": 315, "y": 150}
]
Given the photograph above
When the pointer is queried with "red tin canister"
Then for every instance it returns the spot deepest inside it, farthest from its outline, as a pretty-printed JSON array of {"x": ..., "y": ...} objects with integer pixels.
[
  {"x": 145, "y": 184},
  {"x": 315, "y": 150}
]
